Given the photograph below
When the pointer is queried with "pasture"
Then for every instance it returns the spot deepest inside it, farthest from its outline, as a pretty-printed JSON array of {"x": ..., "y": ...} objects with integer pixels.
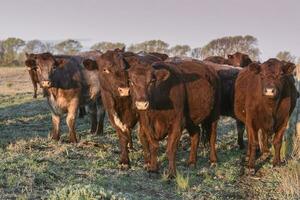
[{"x": 34, "y": 167}]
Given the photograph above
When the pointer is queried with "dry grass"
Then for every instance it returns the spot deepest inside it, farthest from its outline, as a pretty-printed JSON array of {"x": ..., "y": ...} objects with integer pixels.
[{"x": 14, "y": 80}]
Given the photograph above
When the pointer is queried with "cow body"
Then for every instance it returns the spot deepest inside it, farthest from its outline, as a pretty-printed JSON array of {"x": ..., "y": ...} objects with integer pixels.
[
  {"x": 110, "y": 68},
  {"x": 264, "y": 99},
  {"x": 170, "y": 97},
  {"x": 68, "y": 86}
]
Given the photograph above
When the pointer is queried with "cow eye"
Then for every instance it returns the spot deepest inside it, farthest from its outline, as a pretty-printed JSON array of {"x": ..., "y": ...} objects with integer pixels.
[{"x": 106, "y": 71}]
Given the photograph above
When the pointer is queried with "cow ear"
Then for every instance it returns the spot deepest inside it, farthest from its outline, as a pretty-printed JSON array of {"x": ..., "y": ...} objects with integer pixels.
[
  {"x": 255, "y": 67},
  {"x": 161, "y": 74},
  {"x": 26, "y": 54},
  {"x": 288, "y": 68},
  {"x": 90, "y": 64},
  {"x": 123, "y": 49}
]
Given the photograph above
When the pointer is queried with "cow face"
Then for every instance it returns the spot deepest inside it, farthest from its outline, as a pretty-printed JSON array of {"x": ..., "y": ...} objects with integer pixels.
[
  {"x": 30, "y": 62},
  {"x": 111, "y": 67},
  {"x": 143, "y": 79},
  {"x": 239, "y": 60},
  {"x": 46, "y": 66},
  {"x": 272, "y": 74}
]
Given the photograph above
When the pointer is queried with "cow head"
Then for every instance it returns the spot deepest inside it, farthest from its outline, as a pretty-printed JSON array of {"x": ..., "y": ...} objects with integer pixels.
[
  {"x": 30, "y": 62},
  {"x": 46, "y": 65},
  {"x": 272, "y": 74},
  {"x": 111, "y": 67},
  {"x": 239, "y": 59},
  {"x": 143, "y": 78}
]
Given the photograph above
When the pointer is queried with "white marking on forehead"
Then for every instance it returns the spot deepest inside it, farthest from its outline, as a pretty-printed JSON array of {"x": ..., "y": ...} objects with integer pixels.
[{"x": 120, "y": 124}]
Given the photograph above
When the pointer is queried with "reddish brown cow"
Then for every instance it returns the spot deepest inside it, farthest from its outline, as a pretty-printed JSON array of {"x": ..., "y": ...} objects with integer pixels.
[
  {"x": 33, "y": 75},
  {"x": 68, "y": 86},
  {"x": 237, "y": 59},
  {"x": 110, "y": 68},
  {"x": 264, "y": 99},
  {"x": 173, "y": 96}
]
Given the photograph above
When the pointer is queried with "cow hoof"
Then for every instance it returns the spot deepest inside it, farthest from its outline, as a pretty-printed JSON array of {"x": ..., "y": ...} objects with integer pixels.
[
  {"x": 146, "y": 166},
  {"x": 191, "y": 165},
  {"x": 251, "y": 171},
  {"x": 124, "y": 166},
  {"x": 73, "y": 140},
  {"x": 279, "y": 163},
  {"x": 213, "y": 164},
  {"x": 34, "y": 96}
]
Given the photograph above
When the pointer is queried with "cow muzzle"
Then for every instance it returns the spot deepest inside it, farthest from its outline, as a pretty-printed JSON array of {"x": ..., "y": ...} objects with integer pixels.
[
  {"x": 270, "y": 92},
  {"x": 124, "y": 92},
  {"x": 46, "y": 84},
  {"x": 142, "y": 105}
]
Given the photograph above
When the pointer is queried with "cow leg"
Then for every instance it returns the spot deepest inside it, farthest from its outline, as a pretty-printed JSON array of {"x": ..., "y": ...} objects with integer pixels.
[
  {"x": 92, "y": 109},
  {"x": 212, "y": 142},
  {"x": 81, "y": 112},
  {"x": 101, "y": 116},
  {"x": 194, "y": 136},
  {"x": 153, "y": 155},
  {"x": 71, "y": 117},
  {"x": 240, "y": 129},
  {"x": 123, "y": 140},
  {"x": 173, "y": 140},
  {"x": 145, "y": 145},
  {"x": 277, "y": 142},
  {"x": 34, "y": 89},
  {"x": 253, "y": 144},
  {"x": 55, "y": 127}
]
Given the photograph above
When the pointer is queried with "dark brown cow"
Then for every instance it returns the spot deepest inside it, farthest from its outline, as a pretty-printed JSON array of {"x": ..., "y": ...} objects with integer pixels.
[
  {"x": 162, "y": 56},
  {"x": 68, "y": 86},
  {"x": 228, "y": 75},
  {"x": 264, "y": 99},
  {"x": 237, "y": 59},
  {"x": 110, "y": 68},
  {"x": 33, "y": 75},
  {"x": 173, "y": 96},
  {"x": 217, "y": 59}
]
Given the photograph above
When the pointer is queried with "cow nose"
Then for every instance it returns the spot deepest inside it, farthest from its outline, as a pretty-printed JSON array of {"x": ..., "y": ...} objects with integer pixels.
[
  {"x": 271, "y": 91},
  {"x": 124, "y": 92},
  {"x": 46, "y": 84},
  {"x": 142, "y": 105}
]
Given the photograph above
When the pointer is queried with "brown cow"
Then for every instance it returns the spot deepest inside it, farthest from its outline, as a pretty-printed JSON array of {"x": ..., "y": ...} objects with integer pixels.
[
  {"x": 237, "y": 59},
  {"x": 33, "y": 75},
  {"x": 173, "y": 96},
  {"x": 110, "y": 68},
  {"x": 68, "y": 86},
  {"x": 264, "y": 99}
]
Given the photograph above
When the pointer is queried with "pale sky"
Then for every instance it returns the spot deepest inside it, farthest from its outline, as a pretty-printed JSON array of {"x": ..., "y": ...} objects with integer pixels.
[{"x": 275, "y": 23}]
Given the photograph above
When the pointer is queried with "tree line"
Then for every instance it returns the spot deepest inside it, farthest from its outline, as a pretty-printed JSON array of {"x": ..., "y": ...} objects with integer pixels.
[{"x": 12, "y": 50}]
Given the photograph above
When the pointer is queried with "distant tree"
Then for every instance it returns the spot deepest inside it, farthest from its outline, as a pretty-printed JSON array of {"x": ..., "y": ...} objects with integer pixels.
[
  {"x": 49, "y": 47},
  {"x": 229, "y": 45},
  {"x": 179, "y": 50},
  {"x": 68, "y": 47},
  {"x": 35, "y": 46},
  {"x": 1, "y": 52},
  {"x": 286, "y": 56},
  {"x": 11, "y": 47},
  {"x": 196, "y": 53},
  {"x": 104, "y": 46},
  {"x": 298, "y": 61},
  {"x": 150, "y": 46}
]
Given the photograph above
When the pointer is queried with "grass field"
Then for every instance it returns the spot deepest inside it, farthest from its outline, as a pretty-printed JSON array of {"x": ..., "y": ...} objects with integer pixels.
[{"x": 34, "y": 167}]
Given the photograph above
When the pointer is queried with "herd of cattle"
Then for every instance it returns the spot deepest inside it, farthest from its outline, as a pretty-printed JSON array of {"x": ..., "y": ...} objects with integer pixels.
[{"x": 166, "y": 95}]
